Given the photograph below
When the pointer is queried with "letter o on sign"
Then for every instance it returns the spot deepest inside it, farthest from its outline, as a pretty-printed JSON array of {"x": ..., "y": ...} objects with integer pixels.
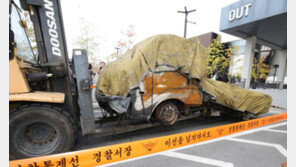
[{"x": 231, "y": 15}]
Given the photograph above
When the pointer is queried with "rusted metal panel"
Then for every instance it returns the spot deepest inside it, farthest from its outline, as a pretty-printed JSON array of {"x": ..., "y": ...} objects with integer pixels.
[
  {"x": 160, "y": 86},
  {"x": 173, "y": 83},
  {"x": 195, "y": 97},
  {"x": 164, "y": 82}
]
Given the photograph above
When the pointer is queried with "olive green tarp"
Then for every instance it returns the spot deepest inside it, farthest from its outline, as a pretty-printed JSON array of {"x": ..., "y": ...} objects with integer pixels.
[{"x": 118, "y": 77}]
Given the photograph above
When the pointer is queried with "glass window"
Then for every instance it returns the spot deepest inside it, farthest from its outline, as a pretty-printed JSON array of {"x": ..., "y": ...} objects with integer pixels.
[
  {"x": 24, "y": 49},
  {"x": 243, "y": 49}
]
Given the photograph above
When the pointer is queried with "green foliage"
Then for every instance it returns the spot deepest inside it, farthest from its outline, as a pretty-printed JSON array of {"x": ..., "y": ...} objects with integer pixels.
[
  {"x": 219, "y": 58},
  {"x": 260, "y": 70},
  {"x": 237, "y": 76},
  {"x": 88, "y": 41}
]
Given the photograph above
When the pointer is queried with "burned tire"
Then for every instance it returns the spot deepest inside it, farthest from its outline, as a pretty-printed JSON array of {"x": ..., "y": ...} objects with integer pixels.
[
  {"x": 37, "y": 130},
  {"x": 167, "y": 113}
]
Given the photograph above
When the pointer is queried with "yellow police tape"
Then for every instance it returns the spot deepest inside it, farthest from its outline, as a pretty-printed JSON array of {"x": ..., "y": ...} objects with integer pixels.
[{"x": 119, "y": 152}]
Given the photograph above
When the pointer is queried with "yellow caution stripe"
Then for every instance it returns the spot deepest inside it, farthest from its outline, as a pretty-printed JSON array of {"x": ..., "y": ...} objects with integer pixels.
[{"x": 108, "y": 154}]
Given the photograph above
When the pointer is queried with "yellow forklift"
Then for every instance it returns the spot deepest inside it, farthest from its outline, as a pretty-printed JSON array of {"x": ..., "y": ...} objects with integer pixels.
[
  {"x": 50, "y": 98},
  {"x": 44, "y": 91}
]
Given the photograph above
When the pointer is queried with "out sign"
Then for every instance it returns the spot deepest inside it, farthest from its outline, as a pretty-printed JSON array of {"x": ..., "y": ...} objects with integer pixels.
[{"x": 239, "y": 12}]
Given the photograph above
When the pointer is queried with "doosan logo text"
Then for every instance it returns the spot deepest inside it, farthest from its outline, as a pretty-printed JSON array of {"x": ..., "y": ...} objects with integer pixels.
[{"x": 52, "y": 25}]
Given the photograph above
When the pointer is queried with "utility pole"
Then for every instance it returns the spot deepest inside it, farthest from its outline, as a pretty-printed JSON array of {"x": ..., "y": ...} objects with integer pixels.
[
  {"x": 186, "y": 13},
  {"x": 117, "y": 48}
]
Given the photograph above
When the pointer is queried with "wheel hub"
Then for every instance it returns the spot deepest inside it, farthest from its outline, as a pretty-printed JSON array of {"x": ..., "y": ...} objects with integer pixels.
[
  {"x": 40, "y": 133},
  {"x": 167, "y": 114}
]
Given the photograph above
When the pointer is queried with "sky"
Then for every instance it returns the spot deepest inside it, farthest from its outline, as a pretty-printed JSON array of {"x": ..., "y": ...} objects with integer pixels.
[{"x": 149, "y": 17}]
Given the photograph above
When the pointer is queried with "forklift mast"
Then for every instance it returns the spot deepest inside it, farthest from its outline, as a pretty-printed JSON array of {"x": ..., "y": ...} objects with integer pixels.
[
  {"x": 74, "y": 81},
  {"x": 46, "y": 16}
]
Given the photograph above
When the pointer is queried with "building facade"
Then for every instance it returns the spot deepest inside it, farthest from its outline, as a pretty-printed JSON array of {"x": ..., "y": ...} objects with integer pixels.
[
  {"x": 206, "y": 39},
  {"x": 261, "y": 52},
  {"x": 263, "y": 26}
]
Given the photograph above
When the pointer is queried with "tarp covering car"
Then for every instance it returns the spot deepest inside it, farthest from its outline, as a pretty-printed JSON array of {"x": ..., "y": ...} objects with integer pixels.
[
  {"x": 236, "y": 97},
  {"x": 119, "y": 77}
]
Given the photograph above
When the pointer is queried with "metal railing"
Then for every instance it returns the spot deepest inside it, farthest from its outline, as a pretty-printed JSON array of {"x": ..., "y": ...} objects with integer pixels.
[{"x": 258, "y": 85}]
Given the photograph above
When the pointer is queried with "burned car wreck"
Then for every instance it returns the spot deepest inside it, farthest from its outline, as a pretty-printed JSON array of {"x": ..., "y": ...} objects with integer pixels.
[{"x": 163, "y": 79}]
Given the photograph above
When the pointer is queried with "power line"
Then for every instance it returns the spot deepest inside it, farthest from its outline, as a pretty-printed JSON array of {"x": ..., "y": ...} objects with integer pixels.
[{"x": 186, "y": 21}]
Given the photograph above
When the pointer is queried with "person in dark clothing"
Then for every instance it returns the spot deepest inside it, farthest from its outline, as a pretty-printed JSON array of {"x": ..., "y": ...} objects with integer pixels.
[
  {"x": 102, "y": 64},
  {"x": 92, "y": 73}
]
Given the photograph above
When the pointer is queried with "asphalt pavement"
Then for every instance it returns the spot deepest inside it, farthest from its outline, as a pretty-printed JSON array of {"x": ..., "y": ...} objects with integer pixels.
[{"x": 260, "y": 147}]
